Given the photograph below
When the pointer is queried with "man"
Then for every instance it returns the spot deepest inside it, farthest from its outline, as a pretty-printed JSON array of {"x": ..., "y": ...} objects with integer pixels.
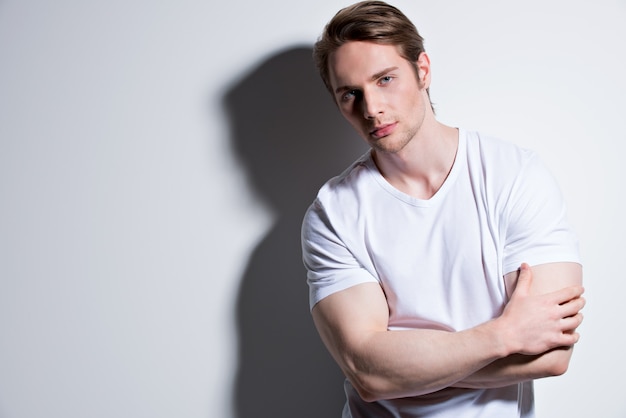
[{"x": 419, "y": 254}]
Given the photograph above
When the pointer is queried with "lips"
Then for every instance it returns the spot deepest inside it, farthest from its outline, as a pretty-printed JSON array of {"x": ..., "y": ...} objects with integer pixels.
[{"x": 382, "y": 130}]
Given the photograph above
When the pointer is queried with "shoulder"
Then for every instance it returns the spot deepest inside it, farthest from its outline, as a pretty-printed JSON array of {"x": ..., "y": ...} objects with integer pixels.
[
  {"x": 509, "y": 168},
  {"x": 349, "y": 179},
  {"x": 343, "y": 192},
  {"x": 339, "y": 195},
  {"x": 496, "y": 151},
  {"x": 499, "y": 163}
]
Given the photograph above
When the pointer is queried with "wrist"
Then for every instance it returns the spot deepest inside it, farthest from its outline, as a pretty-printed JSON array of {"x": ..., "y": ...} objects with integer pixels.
[{"x": 500, "y": 335}]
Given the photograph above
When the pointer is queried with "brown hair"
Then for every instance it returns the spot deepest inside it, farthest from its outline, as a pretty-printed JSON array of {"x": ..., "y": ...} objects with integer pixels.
[{"x": 373, "y": 21}]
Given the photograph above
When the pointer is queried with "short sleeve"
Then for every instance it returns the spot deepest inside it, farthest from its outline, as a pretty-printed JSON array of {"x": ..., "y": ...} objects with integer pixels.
[
  {"x": 536, "y": 228},
  {"x": 331, "y": 266}
]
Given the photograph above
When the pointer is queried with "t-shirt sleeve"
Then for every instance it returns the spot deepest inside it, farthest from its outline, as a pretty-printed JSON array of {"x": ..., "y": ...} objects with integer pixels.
[
  {"x": 536, "y": 227},
  {"x": 331, "y": 266}
]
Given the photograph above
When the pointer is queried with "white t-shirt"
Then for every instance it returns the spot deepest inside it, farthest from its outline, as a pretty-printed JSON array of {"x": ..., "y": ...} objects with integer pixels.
[{"x": 439, "y": 261}]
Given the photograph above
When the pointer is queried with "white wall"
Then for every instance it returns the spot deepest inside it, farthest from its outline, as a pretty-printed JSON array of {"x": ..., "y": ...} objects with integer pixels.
[{"x": 155, "y": 159}]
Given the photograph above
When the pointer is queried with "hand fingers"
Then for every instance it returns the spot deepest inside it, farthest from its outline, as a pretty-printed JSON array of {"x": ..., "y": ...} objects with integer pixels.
[
  {"x": 572, "y": 307},
  {"x": 524, "y": 279},
  {"x": 568, "y": 339},
  {"x": 566, "y": 294},
  {"x": 570, "y": 323}
]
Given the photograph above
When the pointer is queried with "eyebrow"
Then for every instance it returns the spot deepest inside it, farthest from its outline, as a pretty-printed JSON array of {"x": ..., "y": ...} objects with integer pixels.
[{"x": 373, "y": 77}]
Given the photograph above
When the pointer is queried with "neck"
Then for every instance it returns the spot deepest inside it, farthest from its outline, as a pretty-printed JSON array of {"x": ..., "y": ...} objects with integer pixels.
[{"x": 421, "y": 168}]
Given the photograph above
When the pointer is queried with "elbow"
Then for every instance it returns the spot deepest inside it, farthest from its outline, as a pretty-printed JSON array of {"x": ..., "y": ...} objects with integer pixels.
[
  {"x": 367, "y": 396},
  {"x": 369, "y": 386},
  {"x": 367, "y": 389},
  {"x": 377, "y": 385},
  {"x": 558, "y": 367},
  {"x": 559, "y": 361},
  {"x": 372, "y": 388}
]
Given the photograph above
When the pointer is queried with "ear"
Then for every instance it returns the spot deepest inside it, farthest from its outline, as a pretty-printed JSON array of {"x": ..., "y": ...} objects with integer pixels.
[{"x": 423, "y": 69}]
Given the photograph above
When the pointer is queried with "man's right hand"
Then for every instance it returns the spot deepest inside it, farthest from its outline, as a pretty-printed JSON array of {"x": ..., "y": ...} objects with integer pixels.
[{"x": 534, "y": 323}]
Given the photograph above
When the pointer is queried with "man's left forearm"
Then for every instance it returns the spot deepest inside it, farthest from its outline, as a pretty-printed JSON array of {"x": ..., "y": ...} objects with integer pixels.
[{"x": 519, "y": 368}]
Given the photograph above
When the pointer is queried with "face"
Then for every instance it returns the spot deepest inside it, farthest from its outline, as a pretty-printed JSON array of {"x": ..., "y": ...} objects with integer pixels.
[{"x": 378, "y": 92}]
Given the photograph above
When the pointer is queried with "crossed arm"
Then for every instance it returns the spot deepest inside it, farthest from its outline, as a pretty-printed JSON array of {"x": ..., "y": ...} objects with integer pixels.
[{"x": 533, "y": 338}]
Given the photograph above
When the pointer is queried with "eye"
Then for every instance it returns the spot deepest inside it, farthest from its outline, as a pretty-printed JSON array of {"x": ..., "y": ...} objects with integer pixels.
[
  {"x": 349, "y": 95},
  {"x": 385, "y": 80}
]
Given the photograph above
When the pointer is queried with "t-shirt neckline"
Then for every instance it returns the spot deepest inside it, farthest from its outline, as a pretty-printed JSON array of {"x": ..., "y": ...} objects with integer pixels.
[{"x": 459, "y": 161}]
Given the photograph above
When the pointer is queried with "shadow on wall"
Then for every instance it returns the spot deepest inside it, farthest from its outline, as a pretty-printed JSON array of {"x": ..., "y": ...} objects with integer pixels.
[{"x": 291, "y": 139}]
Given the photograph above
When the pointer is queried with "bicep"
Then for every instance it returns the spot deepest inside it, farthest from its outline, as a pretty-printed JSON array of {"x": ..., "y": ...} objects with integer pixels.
[
  {"x": 347, "y": 318},
  {"x": 549, "y": 277}
]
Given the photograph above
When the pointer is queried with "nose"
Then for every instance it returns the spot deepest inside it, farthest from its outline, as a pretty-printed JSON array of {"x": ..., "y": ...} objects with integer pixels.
[{"x": 373, "y": 104}]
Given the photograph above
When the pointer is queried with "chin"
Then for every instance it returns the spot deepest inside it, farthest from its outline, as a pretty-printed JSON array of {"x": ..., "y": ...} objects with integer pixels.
[{"x": 388, "y": 145}]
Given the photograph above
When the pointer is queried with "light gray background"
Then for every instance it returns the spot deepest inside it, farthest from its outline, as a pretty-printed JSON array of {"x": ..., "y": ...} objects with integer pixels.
[{"x": 155, "y": 159}]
